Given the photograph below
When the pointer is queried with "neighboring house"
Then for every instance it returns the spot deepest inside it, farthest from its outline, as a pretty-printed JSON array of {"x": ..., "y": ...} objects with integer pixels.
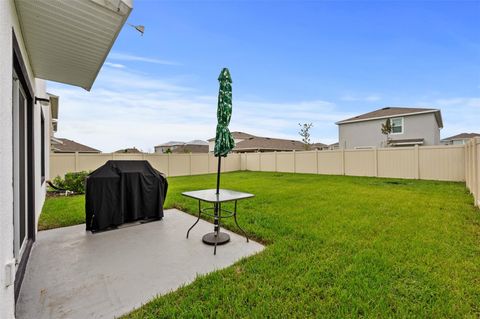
[
  {"x": 60, "y": 41},
  {"x": 63, "y": 145},
  {"x": 267, "y": 144},
  {"x": 334, "y": 146},
  {"x": 131, "y": 150},
  {"x": 459, "y": 139},
  {"x": 318, "y": 146},
  {"x": 195, "y": 146},
  {"x": 411, "y": 126},
  {"x": 237, "y": 137}
]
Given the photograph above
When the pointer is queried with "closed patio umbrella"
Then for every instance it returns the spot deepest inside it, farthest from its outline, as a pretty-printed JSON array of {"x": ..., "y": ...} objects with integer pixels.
[{"x": 224, "y": 142}]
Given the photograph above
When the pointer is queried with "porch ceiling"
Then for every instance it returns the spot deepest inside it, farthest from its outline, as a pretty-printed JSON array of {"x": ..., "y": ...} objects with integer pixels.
[{"x": 68, "y": 41}]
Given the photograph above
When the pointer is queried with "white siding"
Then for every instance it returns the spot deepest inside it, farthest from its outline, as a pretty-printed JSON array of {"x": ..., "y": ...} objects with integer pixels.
[
  {"x": 368, "y": 133},
  {"x": 9, "y": 21}
]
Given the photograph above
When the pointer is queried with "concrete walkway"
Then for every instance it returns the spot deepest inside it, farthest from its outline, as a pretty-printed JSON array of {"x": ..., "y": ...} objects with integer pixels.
[{"x": 75, "y": 274}]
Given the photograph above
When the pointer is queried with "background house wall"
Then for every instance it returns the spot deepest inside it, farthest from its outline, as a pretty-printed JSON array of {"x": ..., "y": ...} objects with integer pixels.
[
  {"x": 368, "y": 133},
  {"x": 8, "y": 22}
]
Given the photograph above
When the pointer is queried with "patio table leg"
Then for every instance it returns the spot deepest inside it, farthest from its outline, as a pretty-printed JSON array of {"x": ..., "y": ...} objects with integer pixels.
[
  {"x": 198, "y": 219},
  {"x": 236, "y": 222},
  {"x": 218, "y": 209}
]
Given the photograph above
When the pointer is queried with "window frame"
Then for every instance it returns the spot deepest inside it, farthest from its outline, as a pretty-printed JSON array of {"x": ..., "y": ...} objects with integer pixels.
[
  {"x": 402, "y": 125},
  {"x": 42, "y": 147}
]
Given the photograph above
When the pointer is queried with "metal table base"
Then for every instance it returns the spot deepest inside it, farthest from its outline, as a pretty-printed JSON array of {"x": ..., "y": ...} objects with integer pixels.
[{"x": 217, "y": 237}]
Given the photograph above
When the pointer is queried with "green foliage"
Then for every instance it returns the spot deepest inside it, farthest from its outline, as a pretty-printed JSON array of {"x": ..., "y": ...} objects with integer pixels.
[
  {"x": 73, "y": 181},
  {"x": 305, "y": 134},
  {"x": 387, "y": 128},
  {"x": 62, "y": 211}
]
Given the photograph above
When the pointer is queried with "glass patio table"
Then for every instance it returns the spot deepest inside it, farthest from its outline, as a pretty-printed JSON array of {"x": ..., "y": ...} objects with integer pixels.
[{"x": 210, "y": 196}]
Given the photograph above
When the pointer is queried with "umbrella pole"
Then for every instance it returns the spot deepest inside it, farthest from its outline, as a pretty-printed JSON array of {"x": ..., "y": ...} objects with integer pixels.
[{"x": 218, "y": 174}]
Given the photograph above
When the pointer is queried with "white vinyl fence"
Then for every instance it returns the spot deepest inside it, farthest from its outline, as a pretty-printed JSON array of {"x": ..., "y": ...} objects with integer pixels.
[
  {"x": 445, "y": 163},
  {"x": 169, "y": 164},
  {"x": 472, "y": 168}
]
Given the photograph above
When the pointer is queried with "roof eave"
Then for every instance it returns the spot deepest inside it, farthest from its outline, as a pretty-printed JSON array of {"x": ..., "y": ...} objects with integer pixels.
[
  {"x": 72, "y": 46},
  {"x": 437, "y": 111}
]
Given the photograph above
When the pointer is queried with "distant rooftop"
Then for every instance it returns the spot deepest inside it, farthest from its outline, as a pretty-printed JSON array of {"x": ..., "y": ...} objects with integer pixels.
[
  {"x": 387, "y": 112},
  {"x": 267, "y": 143},
  {"x": 131, "y": 150},
  {"x": 172, "y": 143},
  {"x": 197, "y": 142},
  {"x": 177, "y": 143},
  {"x": 236, "y": 135},
  {"x": 461, "y": 136},
  {"x": 63, "y": 145}
]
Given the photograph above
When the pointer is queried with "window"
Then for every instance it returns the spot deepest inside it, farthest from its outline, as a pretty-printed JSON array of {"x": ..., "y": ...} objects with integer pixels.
[
  {"x": 397, "y": 125},
  {"x": 42, "y": 134}
]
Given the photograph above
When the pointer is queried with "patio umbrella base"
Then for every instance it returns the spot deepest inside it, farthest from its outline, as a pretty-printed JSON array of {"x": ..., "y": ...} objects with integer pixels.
[{"x": 210, "y": 238}]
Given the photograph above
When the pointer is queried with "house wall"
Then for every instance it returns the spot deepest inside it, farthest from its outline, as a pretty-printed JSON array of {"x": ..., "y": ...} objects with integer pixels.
[
  {"x": 368, "y": 133},
  {"x": 9, "y": 21}
]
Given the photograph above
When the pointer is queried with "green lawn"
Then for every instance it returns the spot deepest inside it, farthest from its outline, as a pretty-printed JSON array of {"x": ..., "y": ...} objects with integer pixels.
[
  {"x": 337, "y": 247},
  {"x": 62, "y": 211}
]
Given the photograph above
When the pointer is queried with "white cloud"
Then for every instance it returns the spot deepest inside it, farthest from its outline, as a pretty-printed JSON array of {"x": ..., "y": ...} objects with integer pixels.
[
  {"x": 114, "y": 65},
  {"x": 127, "y": 109},
  {"x": 136, "y": 58},
  {"x": 460, "y": 114},
  {"x": 460, "y": 101}
]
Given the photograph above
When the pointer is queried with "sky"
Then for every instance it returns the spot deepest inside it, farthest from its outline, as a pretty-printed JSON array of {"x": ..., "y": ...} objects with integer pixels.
[{"x": 291, "y": 62}]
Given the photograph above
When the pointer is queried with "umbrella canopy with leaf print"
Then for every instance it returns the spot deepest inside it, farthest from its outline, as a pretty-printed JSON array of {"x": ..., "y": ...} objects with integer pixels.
[{"x": 224, "y": 142}]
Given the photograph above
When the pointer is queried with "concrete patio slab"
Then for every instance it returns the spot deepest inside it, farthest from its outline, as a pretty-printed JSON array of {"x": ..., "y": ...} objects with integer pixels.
[{"x": 75, "y": 274}]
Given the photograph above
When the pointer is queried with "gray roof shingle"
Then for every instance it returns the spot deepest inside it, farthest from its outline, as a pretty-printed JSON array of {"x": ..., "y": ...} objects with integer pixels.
[{"x": 69, "y": 146}]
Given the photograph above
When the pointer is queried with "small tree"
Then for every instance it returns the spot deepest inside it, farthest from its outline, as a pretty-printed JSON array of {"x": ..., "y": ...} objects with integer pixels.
[
  {"x": 387, "y": 129},
  {"x": 305, "y": 133}
]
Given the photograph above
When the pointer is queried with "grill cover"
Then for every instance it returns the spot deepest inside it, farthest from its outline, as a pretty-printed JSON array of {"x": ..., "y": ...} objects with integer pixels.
[{"x": 123, "y": 191}]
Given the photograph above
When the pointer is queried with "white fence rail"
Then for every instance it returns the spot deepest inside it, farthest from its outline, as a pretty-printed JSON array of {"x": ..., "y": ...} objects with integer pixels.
[
  {"x": 472, "y": 168},
  {"x": 445, "y": 163},
  {"x": 169, "y": 164}
]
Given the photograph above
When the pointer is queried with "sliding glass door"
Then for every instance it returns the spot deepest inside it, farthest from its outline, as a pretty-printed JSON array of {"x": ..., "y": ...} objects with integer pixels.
[{"x": 20, "y": 169}]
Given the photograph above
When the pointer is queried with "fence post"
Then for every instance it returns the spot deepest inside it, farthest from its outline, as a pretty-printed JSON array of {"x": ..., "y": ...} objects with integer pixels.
[
  {"x": 275, "y": 159},
  {"x": 76, "y": 162},
  {"x": 343, "y": 161},
  {"x": 375, "y": 160},
  {"x": 316, "y": 159},
  {"x": 465, "y": 152},
  {"x": 417, "y": 162},
  {"x": 259, "y": 161},
  {"x": 190, "y": 164},
  {"x": 168, "y": 164},
  {"x": 476, "y": 142},
  {"x": 208, "y": 162},
  {"x": 294, "y": 161},
  {"x": 474, "y": 172}
]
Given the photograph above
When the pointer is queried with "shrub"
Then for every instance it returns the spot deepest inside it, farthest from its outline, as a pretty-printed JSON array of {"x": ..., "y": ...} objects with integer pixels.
[{"x": 73, "y": 181}]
